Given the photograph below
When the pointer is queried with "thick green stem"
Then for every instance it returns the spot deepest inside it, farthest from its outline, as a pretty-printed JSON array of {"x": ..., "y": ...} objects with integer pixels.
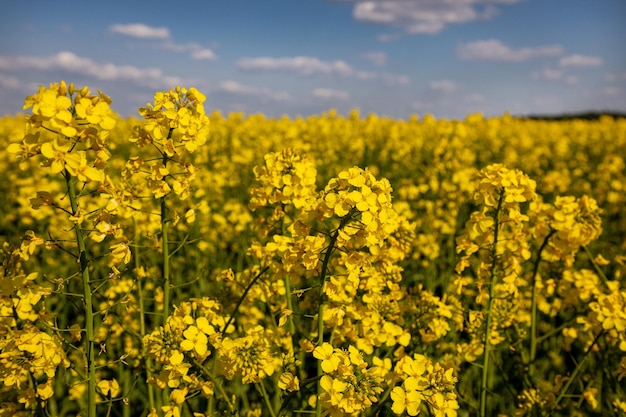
[
  {"x": 165, "y": 271},
  {"x": 320, "y": 308},
  {"x": 165, "y": 248},
  {"x": 533, "y": 307},
  {"x": 87, "y": 295},
  {"x": 142, "y": 320},
  {"x": 165, "y": 268},
  {"x": 492, "y": 290}
]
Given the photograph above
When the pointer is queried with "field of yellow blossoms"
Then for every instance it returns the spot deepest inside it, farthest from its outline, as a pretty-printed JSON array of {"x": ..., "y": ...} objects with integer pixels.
[{"x": 185, "y": 264}]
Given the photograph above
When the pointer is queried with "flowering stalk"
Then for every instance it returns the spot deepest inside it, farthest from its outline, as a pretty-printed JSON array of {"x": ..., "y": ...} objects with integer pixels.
[
  {"x": 492, "y": 293},
  {"x": 533, "y": 307},
  {"x": 165, "y": 246},
  {"x": 89, "y": 314},
  {"x": 166, "y": 261},
  {"x": 320, "y": 309}
]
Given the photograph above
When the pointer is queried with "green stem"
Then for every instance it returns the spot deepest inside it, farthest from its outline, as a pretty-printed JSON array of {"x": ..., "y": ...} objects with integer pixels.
[
  {"x": 211, "y": 404},
  {"x": 165, "y": 247},
  {"x": 216, "y": 384},
  {"x": 165, "y": 269},
  {"x": 575, "y": 373},
  {"x": 166, "y": 261},
  {"x": 603, "y": 277},
  {"x": 142, "y": 320},
  {"x": 89, "y": 315},
  {"x": 290, "y": 323},
  {"x": 243, "y": 297},
  {"x": 533, "y": 306},
  {"x": 320, "y": 308},
  {"x": 266, "y": 398},
  {"x": 492, "y": 290},
  {"x": 165, "y": 275}
]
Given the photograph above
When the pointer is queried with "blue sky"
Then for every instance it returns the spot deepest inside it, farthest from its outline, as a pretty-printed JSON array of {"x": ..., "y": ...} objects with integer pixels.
[{"x": 301, "y": 57}]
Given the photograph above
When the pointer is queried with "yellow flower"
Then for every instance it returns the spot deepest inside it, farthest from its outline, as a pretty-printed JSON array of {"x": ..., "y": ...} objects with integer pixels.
[
  {"x": 45, "y": 391},
  {"x": 120, "y": 252},
  {"x": 334, "y": 388},
  {"x": 77, "y": 165},
  {"x": 171, "y": 410},
  {"x": 288, "y": 382},
  {"x": 406, "y": 399},
  {"x": 590, "y": 396},
  {"x": 100, "y": 114},
  {"x": 195, "y": 340},
  {"x": 325, "y": 353},
  {"x": 56, "y": 152},
  {"x": 110, "y": 388},
  {"x": 179, "y": 395}
]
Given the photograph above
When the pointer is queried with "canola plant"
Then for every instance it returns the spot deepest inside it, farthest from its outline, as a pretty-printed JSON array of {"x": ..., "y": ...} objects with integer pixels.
[{"x": 185, "y": 264}]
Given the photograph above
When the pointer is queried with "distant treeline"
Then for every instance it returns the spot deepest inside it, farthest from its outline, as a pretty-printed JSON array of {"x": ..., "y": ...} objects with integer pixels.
[{"x": 588, "y": 115}]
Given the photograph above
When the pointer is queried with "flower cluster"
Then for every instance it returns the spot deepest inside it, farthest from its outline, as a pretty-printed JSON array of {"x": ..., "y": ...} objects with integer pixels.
[
  {"x": 287, "y": 178},
  {"x": 253, "y": 357},
  {"x": 349, "y": 384},
  {"x": 499, "y": 193},
  {"x": 497, "y": 239},
  {"x": 82, "y": 120},
  {"x": 356, "y": 197},
  {"x": 424, "y": 383},
  {"x": 179, "y": 109},
  {"x": 568, "y": 224},
  {"x": 175, "y": 125},
  {"x": 183, "y": 344},
  {"x": 27, "y": 353}
]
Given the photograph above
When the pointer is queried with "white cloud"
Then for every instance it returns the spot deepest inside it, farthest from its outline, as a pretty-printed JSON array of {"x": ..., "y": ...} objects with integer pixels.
[
  {"x": 195, "y": 50},
  {"x": 70, "y": 62},
  {"x": 9, "y": 82},
  {"x": 621, "y": 76},
  {"x": 394, "y": 79},
  {"x": 547, "y": 74},
  {"x": 302, "y": 65},
  {"x": 475, "y": 98},
  {"x": 419, "y": 106},
  {"x": 236, "y": 88},
  {"x": 424, "y": 16},
  {"x": 580, "y": 61},
  {"x": 445, "y": 86},
  {"x": 612, "y": 91},
  {"x": 377, "y": 58},
  {"x": 308, "y": 66},
  {"x": 140, "y": 30},
  {"x": 204, "y": 53},
  {"x": 494, "y": 50},
  {"x": 331, "y": 94}
]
